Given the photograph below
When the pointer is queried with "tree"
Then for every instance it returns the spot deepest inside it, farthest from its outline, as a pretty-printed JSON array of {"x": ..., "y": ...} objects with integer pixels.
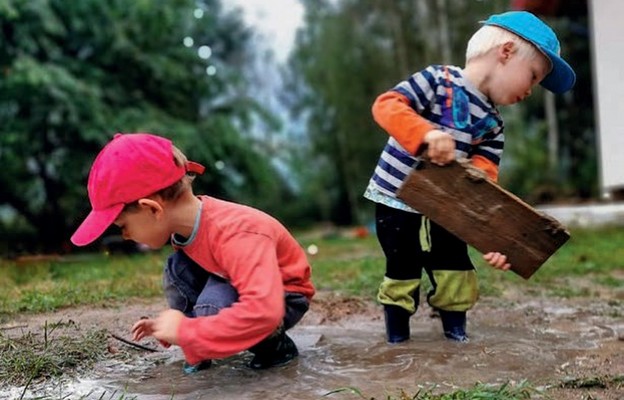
[
  {"x": 349, "y": 52},
  {"x": 72, "y": 73},
  {"x": 570, "y": 171}
]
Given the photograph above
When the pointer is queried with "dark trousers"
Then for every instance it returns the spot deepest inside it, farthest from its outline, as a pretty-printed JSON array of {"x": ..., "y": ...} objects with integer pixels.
[
  {"x": 196, "y": 292},
  {"x": 444, "y": 258}
]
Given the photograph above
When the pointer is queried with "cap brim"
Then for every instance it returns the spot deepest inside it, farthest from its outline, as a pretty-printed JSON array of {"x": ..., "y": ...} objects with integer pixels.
[
  {"x": 561, "y": 78},
  {"x": 95, "y": 224}
]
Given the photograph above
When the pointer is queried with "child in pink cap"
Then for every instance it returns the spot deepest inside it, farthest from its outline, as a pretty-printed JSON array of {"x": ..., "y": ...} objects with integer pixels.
[{"x": 237, "y": 280}]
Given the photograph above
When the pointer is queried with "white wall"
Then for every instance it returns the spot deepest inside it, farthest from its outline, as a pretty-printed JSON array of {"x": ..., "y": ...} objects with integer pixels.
[{"x": 607, "y": 30}]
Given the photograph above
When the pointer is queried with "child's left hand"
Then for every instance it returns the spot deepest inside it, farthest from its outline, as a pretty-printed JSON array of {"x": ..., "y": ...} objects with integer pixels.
[
  {"x": 164, "y": 327},
  {"x": 497, "y": 260}
]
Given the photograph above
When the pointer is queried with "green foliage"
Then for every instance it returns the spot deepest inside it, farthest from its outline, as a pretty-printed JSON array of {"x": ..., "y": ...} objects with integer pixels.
[
  {"x": 50, "y": 285},
  {"x": 37, "y": 356},
  {"x": 591, "y": 382},
  {"x": 525, "y": 166},
  {"x": 347, "y": 54},
  {"x": 73, "y": 73},
  {"x": 585, "y": 265},
  {"x": 480, "y": 391},
  {"x": 589, "y": 262},
  {"x": 346, "y": 265},
  {"x": 590, "y": 258},
  {"x": 572, "y": 173},
  {"x": 351, "y": 51},
  {"x": 577, "y": 163}
]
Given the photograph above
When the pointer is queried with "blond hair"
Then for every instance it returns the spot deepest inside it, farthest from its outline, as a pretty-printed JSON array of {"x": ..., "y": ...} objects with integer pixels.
[{"x": 490, "y": 36}]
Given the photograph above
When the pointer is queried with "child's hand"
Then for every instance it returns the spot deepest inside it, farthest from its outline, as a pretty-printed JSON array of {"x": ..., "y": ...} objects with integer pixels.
[
  {"x": 440, "y": 147},
  {"x": 497, "y": 260},
  {"x": 164, "y": 327},
  {"x": 142, "y": 328}
]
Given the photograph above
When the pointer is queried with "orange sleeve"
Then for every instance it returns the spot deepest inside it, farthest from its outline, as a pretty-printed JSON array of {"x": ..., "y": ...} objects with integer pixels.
[
  {"x": 490, "y": 168},
  {"x": 260, "y": 308},
  {"x": 392, "y": 111}
]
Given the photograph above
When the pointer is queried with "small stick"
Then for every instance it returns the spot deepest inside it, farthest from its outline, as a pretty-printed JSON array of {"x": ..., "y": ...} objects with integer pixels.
[
  {"x": 139, "y": 346},
  {"x": 6, "y": 328}
]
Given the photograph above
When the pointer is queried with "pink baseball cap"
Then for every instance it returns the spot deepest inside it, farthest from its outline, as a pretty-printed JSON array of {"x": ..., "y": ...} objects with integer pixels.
[{"x": 130, "y": 167}]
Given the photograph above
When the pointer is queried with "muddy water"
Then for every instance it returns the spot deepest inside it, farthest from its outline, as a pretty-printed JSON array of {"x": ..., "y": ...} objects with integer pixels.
[
  {"x": 537, "y": 342},
  {"x": 342, "y": 345}
]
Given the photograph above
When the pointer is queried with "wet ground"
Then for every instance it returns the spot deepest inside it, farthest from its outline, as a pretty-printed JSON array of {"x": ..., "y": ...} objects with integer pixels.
[{"x": 544, "y": 341}]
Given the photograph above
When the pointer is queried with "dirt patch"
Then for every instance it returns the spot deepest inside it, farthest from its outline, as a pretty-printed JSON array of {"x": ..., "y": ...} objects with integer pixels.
[
  {"x": 328, "y": 308},
  {"x": 573, "y": 349}
]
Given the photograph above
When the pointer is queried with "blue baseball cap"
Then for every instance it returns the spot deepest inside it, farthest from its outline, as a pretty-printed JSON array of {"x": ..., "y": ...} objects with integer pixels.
[{"x": 532, "y": 29}]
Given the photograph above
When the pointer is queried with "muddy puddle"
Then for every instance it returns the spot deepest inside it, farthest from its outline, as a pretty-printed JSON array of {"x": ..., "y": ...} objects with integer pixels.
[{"x": 535, "y": 341}]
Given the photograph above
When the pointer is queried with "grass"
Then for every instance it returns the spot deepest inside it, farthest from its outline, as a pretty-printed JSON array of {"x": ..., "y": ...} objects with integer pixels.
[
  {"x": 593, "y": 259},
  {"x": 96, "y": 280},
  {"x": 356, "y": 266},
  {"x": 506, "y": 391},
  {"x": 60, "y": 350},
  {"x": 35, "y": 356},
  {"x": 590, "y": 262},
  {"x": 479, "y": 391}
]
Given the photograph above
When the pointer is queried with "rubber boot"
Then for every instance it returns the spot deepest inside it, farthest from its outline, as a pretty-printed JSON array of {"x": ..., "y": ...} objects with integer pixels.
[
  {"x": 397, "y": 323},
  {"x": 193, "y": 368},
  {"x": 274, "y": 351},
  {"x": 454, "y": 325}
]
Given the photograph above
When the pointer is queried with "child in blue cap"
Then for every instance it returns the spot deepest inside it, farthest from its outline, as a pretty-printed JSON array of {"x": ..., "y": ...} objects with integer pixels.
[{"x": 447, "y": 112}]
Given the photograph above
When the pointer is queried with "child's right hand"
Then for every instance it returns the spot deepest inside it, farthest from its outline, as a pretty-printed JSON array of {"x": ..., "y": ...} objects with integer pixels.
[
  {"x": 142, "y": 328},
  {"x": 440, "y": 147},
  {"x": 497, "y": 260},
  {"x": 164, "y": 327},
  {"x": 145, "y": 327}
]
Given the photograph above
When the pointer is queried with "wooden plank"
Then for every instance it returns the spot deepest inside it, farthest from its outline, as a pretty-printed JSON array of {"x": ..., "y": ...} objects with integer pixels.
[{"x": 464, "y": 201}]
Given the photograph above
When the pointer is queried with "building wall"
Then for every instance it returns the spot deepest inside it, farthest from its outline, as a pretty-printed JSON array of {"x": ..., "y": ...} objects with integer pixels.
[{"x": 608, "y": 65}]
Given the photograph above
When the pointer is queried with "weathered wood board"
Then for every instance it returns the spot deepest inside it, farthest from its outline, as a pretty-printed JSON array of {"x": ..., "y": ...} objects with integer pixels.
[{"x": 460, "y": 198}]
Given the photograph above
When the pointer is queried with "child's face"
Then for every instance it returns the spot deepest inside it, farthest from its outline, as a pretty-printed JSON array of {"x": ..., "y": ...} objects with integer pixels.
[
  {"x": 144, "y": 225},
  {"x": 515, "y": 79}
]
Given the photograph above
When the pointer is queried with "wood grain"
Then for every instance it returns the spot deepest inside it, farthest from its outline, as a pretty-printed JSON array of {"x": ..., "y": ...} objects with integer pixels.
[{"x": 465, "y": 202}]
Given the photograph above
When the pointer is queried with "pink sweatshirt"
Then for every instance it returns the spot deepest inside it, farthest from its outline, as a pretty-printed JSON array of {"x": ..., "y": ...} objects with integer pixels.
[{"x": 261, "y": 259}]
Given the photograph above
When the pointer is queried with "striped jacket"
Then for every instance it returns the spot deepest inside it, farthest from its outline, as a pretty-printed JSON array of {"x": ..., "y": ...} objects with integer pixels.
[{"x": 438, "y": 97}]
